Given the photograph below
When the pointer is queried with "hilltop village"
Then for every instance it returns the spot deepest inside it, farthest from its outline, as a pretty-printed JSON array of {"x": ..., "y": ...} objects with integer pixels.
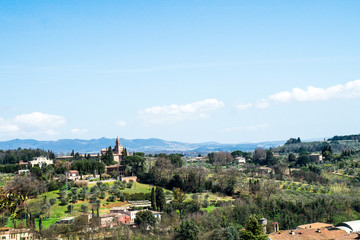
[{"x": 300, "y": 190}]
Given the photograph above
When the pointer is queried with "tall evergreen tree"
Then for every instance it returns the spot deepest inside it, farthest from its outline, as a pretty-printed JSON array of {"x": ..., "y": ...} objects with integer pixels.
[
  {"x": 160, "y": 198},
  {"x": 110, "y": 155},
  {"x": 124, "y": 153},
  {"x": 40, "y": 224},
  {"x": 153, "y": 199}
]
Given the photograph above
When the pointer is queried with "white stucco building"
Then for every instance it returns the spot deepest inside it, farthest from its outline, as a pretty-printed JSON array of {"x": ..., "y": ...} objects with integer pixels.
[
  {"x": 240, "y": 160},
  {"x": 41, "y": 161}
]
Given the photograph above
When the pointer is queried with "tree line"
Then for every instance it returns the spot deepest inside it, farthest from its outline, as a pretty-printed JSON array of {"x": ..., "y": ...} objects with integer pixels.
[{"x": 26, "y": 155}]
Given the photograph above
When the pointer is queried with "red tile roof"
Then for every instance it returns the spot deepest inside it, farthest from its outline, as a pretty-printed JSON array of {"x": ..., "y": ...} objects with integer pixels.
[
  {"x": 312, "y": 234},
  {"x": 315, "y": 225}
]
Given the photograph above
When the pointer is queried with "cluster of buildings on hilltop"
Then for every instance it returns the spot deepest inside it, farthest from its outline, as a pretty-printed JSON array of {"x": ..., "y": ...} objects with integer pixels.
[{"x": 119, "y": 152}]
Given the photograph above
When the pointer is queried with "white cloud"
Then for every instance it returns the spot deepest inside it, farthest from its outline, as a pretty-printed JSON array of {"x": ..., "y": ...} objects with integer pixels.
[
  {"x": 31, "y": 125},
  {"x": 39, "y": 121},
  {"x": 7, "y": 127},
  {"x": 78, "y": 131},
  {"x": 244, "y": 106},
  {"x": 120, "y": 123},
  {"x": 175, "y": 113},
  {"x": 262, "y": 103},
  {"x": 348, "y": 90},
  {"x": 250, "y": 128},
  {"x": 339, "y": 91}
]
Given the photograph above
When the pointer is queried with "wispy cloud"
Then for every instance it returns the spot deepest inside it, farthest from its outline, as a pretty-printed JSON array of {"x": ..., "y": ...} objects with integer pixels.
[
  {"x": 175, "y": 113},
  {"x": 250, "y": 128},
  {"x": 78, "y": 131},
  {"x": 244, "y": 106},
  {"x": 339, "y": 91},
  {"x": 120, "y": 123}
]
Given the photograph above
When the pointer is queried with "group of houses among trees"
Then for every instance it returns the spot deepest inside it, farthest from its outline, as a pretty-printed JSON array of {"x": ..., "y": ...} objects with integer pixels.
[{"x": 182, "y": 194}]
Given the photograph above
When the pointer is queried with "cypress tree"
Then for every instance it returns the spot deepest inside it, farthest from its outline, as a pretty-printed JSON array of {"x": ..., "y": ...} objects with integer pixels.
[
  {"x": 40, "y": 224},
  {"x": 125, "y": 152},
  {"x": 160, "y": 198},
  {"x": 153, "y": 199}
]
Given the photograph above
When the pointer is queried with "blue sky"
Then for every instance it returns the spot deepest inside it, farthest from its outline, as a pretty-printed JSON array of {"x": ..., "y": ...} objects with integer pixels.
[{"x": 195, "y": 71}]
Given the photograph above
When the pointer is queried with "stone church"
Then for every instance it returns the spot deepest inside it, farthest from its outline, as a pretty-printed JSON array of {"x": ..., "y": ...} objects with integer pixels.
[{"x": 118, "y": 151}]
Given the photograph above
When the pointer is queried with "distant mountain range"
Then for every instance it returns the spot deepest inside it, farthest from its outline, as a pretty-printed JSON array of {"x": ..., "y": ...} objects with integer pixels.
[{"x": 151, "y": 145}]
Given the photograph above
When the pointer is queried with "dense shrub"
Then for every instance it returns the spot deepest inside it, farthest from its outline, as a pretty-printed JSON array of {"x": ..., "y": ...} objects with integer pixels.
[
  {"x": 111, "y": 198},
  {"x": 52, "y": 201},
  {"x": 137, "y": 196}
]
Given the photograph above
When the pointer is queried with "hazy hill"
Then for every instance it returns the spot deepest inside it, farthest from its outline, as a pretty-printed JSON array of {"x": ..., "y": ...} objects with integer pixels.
[{"x": 152, "y": 145}]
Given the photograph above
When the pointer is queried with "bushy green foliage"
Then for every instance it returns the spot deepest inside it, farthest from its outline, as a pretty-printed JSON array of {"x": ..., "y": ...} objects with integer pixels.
[
  {"x": 111, "y": 198},
  {"x": 52, "y": 201},
  {"x": 88, "y": 166},
  {"x": 145, "y": 219},
  {"x": 346, "y": 137},
  {"x": 137, "y": 196},
  {"x": 221, "y": 158},
  {"x": 70, "y": 208},
  {"x": 64, "y": 201},
  {"x": 336, "y": 146},
  {"x": 84, "y": 208},
  {"x": 188, "y": 230},
  {"x": 293, "y": 141},
  {"x": 11, "y": 168},
  {"x": 140, "y": 154},
  {"x": 136, "y": 163},
  {"x": 253, "y": 230},
  {"x": 102, "y": 194},
  {"x": 108, "y": 157},
  {"x": 176, "y": 159}
]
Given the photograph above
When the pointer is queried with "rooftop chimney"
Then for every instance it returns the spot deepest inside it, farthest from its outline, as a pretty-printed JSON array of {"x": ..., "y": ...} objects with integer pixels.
[
  {"x": 276, "y": 226},
  {"x": 263, "y": 222}
]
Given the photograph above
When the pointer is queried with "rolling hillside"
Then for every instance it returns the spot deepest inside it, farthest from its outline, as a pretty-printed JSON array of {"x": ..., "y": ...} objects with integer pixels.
[{"x": 152, "y": 145}]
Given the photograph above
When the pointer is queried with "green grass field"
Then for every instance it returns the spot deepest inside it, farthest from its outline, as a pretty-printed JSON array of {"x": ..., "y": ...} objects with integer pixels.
[
  {"x": 332, "y": 176},
  {"x": 46, "y": 222},
  {"x": 209, "y": 208},
  {"x": 138, "y": 188}
]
